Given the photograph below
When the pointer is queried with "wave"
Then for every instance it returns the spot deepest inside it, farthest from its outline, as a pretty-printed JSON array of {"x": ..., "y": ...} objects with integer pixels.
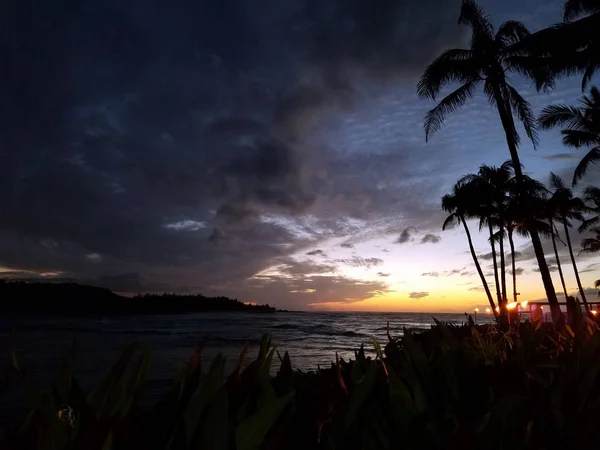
[{"x": 319, "y": 329}]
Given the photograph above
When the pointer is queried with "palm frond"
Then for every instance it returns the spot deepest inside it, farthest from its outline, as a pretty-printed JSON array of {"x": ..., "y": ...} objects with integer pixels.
[
  {"x": 557, "y": 183},
  {"x": 592, "y": 157},
  {"x": 453, "y": 66},
  {"x": 450, "y": 221},
  {"x": 473, "y": 15},
  {"x": 589, "y": 223},
  {"x": 588, "y": 74},
  {"x": 577, "y": 8},
  {"x": 579, "y": 138},
  {"x": 560, "y": 115},
  {"x": 453, "y": 101},
  {"x": 532, "y": 67},
  {"x": 523, "y": 110},
  {"x": 511, "y": 32}
]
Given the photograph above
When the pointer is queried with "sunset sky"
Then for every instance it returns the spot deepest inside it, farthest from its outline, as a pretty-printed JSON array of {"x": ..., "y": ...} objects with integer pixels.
[{"x": 270, "y": 150}]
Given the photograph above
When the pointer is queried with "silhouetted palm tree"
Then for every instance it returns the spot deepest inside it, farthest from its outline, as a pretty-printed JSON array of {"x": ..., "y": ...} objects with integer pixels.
[
  {"x": 592, "y": 198},
  {"x": 487, "y": 62},
  {"x": 567, "y": 207},
  {"x": 581, "y": 127},
  {"x": 552, "y": 215},
  {"x": 458, "y": 204},
  {"x": 592, "y": 245},
  {"x": 521, "y": 221},
  {"x": 493, "y": 185}
]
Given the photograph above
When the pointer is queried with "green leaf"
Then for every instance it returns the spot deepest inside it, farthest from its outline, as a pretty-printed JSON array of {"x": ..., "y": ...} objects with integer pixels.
[
  {"x": 203, "y": 393},
  {"x": 250, "y": 434},
  {"x": 362, "y": 390},
  {"x": 215, "y": 434},
  {"x": 112, "y": 385}
]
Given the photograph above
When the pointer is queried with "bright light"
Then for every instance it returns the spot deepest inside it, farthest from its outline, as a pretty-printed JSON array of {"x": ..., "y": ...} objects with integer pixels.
[
  {"x": 488, "y": 310},
  {"x": 594, "y": 312},
  {"x": 512, "y": 305},
  {"x": 524, "y": 304},
  {"x": 542, "y": 308},
  {"x": 497, "y": 309},
  {"x": 476, "y": 310}
]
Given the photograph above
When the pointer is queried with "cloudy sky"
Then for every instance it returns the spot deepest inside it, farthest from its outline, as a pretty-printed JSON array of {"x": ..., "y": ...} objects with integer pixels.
[{"x": 269, "y": 150}]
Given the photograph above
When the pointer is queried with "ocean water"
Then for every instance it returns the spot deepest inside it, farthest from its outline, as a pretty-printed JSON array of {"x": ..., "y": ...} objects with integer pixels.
[{"x": 311, "y": 339}]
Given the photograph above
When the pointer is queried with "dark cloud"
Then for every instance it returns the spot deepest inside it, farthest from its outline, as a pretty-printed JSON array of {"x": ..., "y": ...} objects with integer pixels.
[
  {"x": 316, "y": 252},
  {"x": 418, "y": 295},
  {"x": 561, "y": 156},
  {"x": 357, "y": 261},
  {"x": 405, "y": 235},
  {"x": 477, "y": 289},
  {"x": 466, "y": 274},
  {"x": 431, "y": 238},
  {"x": 550, "y": 267},
  {"x": 518, "y": 271},
  {"x": 489, "y": 256},
  {"x": 346, "y": 245},
  {"x": 169, "y": 137},
  {"x": 430, "y": 274},
  {"x": 382, "y": 274}
]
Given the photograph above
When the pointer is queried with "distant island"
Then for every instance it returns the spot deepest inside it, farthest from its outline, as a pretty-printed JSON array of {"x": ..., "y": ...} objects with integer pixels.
[{"x": 64, "y": 298}]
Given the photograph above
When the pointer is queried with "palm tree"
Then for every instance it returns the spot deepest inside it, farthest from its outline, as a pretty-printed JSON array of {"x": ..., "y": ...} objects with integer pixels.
[
  {"x": 567, "y": 207},
  {"x": 521, "y": 221},
  {"x": 581, "y": 128},
  {"x": 487, "y": 62},
  {"x": 552, "y": 214},
  {"x": 458, "y": 204},
  {"x": 592, "y": 245},
  {"x": 592, "y": 197},
  {"x": 493, "y": 184}
]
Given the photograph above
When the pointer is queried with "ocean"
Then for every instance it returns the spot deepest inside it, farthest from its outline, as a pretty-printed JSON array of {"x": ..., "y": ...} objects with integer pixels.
[{"x": 311, "y": 339}]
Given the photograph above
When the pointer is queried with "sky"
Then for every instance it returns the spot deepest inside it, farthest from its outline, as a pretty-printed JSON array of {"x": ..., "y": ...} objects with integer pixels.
[{"x": 269, "y": 151}]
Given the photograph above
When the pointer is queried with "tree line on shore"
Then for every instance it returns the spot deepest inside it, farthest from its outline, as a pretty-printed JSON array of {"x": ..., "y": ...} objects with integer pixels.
[
  {"x": 504, "y": 199},
  {"x": 73, "y": 298}
]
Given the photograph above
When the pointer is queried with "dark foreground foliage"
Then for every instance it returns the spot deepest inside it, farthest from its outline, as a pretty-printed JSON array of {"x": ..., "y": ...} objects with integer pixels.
[{"x": 470, "y": 387}]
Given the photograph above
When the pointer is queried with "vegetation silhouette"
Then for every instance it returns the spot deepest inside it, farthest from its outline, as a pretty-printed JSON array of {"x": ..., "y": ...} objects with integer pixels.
[
  {"x": 72, "y": 298},
  {"x": 488, "y": 61},
  {"x": 504, "y": 199},
  {"x": 581, "y": 128}
]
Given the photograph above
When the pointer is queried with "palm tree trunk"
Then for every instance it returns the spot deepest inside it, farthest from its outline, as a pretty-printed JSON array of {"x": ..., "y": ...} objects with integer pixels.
[
  {"x": 514, "y": 269},
  {"x": 495, "y": 260},
  {"x": 509, "y": 126},
  {"x": 566, "y": 225},
  {"x": 502, "y": 265},
  {"x": 478, "y": 266},
  {"x": 560, "y": 272}
]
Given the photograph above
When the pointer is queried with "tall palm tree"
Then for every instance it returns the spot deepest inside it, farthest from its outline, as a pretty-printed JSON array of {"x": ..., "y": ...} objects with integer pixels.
[
  {"x": 458, "y": 203},
  {"x": 567, "y": 207},
  {"x": 520, "y": 221},
  {"x": 592, "y": 199},
  {"x": 592, "y": 245},
  {"x": 581, "y": 128},
  {"x": 487, "y": 62}
]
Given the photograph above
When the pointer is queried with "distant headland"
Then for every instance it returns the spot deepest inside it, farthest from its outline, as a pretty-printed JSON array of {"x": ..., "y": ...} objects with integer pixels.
[{"x": 73, "y": 298}]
